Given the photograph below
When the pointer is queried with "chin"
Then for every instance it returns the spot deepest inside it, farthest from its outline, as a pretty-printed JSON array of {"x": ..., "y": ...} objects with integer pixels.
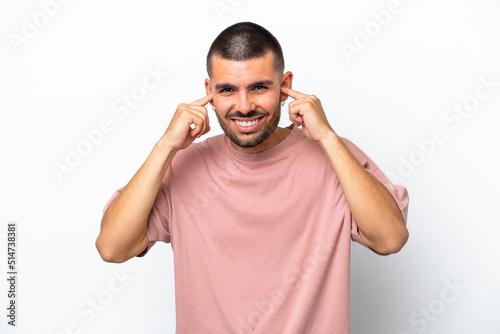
[
  {"x": 254, "y": 138},
  {"x": 249, "y": 140}
]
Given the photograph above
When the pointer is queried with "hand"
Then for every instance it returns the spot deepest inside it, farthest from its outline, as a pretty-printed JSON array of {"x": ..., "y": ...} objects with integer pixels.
[
  {"x": 307, "y": 111},
  {"x": 179, "y": 133}
]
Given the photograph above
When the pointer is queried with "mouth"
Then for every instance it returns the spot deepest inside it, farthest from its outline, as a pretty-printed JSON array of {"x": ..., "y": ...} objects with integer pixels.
[{"x": 247, "y": 124}]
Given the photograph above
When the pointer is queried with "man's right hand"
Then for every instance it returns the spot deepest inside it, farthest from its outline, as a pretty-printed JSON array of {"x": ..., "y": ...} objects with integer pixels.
[
  {"x": 180, "y": 134},
  {"x": 124, "y": 225}
]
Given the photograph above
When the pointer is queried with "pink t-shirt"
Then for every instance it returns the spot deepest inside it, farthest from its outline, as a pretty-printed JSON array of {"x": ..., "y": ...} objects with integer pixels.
[{"x": 261, "y": 242}]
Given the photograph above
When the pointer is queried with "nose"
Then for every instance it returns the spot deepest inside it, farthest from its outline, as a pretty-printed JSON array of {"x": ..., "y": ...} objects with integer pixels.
[{"x": 244, "y": 103}]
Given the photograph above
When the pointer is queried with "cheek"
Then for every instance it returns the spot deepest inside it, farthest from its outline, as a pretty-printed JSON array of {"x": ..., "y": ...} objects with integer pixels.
[
  {"x": 222, "y": 106},
  {"x": 223, "y": 103},
  {"x": 267, "y": 102}
]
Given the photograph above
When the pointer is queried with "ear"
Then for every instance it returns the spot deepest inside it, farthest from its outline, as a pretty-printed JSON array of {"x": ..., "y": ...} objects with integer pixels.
[
  {"x": 208, "y": 88},
  {"x": 286, "y": 81}
]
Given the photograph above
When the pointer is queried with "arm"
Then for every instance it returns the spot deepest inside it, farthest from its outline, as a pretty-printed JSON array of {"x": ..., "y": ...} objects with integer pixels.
[
  {"x": 123, "y": 232},
  {"x": 379, "y": 220}
]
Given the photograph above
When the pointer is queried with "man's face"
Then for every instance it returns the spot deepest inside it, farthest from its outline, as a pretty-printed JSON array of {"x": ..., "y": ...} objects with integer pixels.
[{"x": 246, "y": 96}]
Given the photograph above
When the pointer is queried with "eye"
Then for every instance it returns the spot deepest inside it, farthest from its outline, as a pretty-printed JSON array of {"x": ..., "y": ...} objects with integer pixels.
[
  {"x": 260, "y": 87},
  {"x": 225, "y": 90}
]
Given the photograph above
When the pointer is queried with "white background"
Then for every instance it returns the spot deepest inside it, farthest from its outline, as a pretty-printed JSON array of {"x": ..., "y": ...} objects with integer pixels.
[{"x": 69, "y": 73}]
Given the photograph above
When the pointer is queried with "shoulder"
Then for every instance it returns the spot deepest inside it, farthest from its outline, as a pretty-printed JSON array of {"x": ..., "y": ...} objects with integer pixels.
[
  {"x": 358, "y": 154},
  {"x": 312, "y": 148},
  {"x": 211, "y": 147}
]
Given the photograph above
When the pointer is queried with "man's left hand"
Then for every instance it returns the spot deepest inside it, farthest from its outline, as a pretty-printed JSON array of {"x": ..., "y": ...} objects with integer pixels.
[{"x": 307, "y": 111}]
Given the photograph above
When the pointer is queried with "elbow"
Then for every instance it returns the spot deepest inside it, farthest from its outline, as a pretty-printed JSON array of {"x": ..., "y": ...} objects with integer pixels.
[
  {"x": 394, "y": 243},
  {"x": 106, "y": 252}
]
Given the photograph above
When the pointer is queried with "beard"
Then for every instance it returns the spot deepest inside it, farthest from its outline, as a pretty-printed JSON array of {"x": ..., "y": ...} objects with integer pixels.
[{"x": 250, "y": 139}]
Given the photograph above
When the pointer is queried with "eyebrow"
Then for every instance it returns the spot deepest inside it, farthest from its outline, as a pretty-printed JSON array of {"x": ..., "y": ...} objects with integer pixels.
[{"x": 224, "y": 85}]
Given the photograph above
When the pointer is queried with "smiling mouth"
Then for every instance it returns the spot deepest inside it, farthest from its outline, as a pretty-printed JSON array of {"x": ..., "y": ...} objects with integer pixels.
[{"x": 247, "y": 124}]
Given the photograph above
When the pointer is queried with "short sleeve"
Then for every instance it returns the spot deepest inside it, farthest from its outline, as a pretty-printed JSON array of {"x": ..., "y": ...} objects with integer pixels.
[
  {"x": 158, "y": 228},
  {"x": 398, "y": 192}
]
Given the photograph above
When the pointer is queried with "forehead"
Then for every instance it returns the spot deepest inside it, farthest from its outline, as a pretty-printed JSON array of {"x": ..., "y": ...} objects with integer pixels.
[{"x": 243, "y": 71}]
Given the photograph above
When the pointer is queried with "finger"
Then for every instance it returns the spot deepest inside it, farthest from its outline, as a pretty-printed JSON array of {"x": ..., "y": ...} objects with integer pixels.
[
  {"x": 187, "y": 111},
  {"x": 199, "y": 126},
  {"x": 203, "y": 116},
  {"x": 293, "y": 116},
  {"x": 296, "y": 118},
  {"x": 294, "y": 94},
  {"x": 199, "y": 111},
  {"x": 206, "y": 130},
  {"x": 200, "y": 119},
  {"x": 203, "y": 101}
]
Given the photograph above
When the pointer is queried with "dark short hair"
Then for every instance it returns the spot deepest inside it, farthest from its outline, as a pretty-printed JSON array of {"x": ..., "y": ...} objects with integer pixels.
[{"x": 243, "y": 41}]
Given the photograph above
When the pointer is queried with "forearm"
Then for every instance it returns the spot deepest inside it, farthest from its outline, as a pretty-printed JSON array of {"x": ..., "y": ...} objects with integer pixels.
[
  {"x": 377, "y": 215},
  {"x": 124, "y": 224}
]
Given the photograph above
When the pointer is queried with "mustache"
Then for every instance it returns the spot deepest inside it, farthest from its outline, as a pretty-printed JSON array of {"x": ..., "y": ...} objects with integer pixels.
[{"x": 249, "y": 114}]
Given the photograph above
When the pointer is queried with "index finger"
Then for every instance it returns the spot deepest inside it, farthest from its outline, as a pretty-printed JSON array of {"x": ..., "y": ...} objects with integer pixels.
[
  {"x": 203, "y": 101},
  {"x": 294, "y": 94}
]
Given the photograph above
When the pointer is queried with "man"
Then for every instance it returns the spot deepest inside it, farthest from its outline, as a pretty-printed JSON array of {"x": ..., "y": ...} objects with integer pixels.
[{"x": 260, "y": 219}]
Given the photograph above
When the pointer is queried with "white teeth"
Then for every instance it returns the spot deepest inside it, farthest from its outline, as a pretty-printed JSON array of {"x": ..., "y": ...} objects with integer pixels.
[{"x": 247, "y": 124}]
